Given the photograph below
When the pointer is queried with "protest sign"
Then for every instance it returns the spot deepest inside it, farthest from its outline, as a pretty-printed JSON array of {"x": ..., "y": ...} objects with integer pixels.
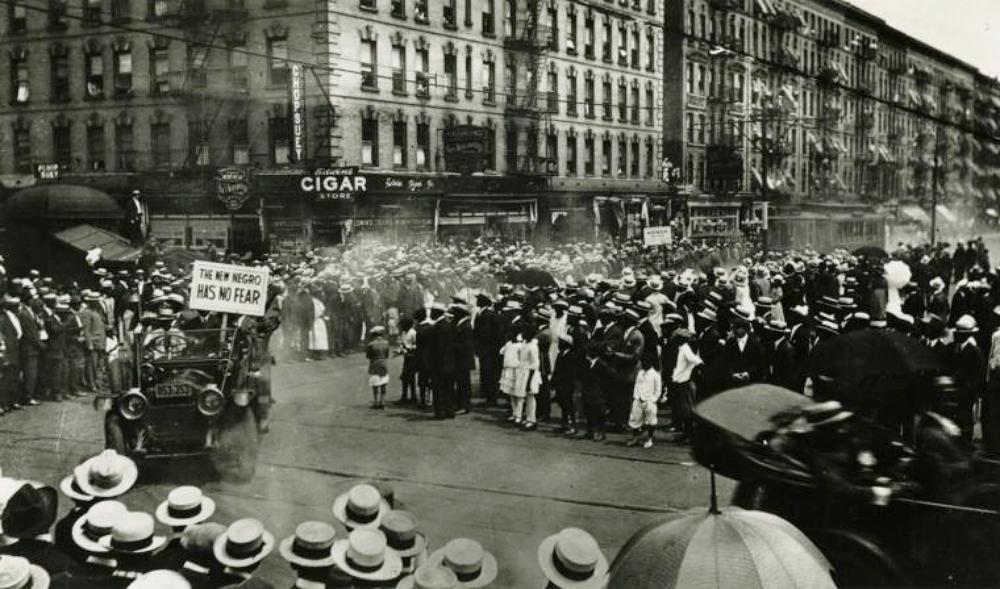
[
  {"x": 228, "y": 288},
  {"x": 654, "y": 236}
]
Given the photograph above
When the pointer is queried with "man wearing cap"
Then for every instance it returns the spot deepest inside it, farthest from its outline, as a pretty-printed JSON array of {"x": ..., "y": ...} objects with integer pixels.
[
  {"x": 488, "y": 337},
  {"x": 465, "y": 358}
]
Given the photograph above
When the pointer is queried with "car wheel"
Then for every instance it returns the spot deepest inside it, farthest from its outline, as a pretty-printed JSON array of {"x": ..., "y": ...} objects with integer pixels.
[
  {"x": 114, "y": 435},
  {"x": 236, "y": 456}
]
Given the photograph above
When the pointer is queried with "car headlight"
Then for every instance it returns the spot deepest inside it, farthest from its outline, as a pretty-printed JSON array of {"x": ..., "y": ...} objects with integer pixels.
[
  {"x": 210, "y": 401},
  {"x": 133, "y": 405}
]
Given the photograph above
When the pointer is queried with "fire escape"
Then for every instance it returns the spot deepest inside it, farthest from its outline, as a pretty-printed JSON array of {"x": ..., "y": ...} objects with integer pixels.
[
  {"x": 896, "y": 70},
  {"x": 527, "y": 106},
  {"x": 827, "y": 144},
  {"x": 726, "y": 111},
  {"x": 874, "y": 157}
]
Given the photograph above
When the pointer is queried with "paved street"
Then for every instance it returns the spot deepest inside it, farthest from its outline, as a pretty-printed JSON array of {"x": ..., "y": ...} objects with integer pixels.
[{"x": 473, "y": 476}]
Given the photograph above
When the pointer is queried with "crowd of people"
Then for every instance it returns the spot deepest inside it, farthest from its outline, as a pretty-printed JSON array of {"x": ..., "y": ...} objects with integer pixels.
[{"x": 371, "y": 541}]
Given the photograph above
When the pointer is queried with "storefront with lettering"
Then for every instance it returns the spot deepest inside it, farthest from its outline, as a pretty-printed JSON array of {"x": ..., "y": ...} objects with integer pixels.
[{"x": 714, "y": 222}]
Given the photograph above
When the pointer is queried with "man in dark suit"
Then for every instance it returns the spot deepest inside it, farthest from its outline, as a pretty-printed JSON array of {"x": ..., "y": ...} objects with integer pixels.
[
  {"x": 564, "y": 382},
  {"x": 544, "y": 338},
  {"x": 969, "y": 366},
  {"x": 32, "y": 347},
  {"x": 593, "y": 372},
  {"x": 425, "y": 352},
  {"x": 742, "y": 361},
  {"x": 488, "y": 337},
  {"x": 465, "y": 358},
  {"x": 443, "y": 359},
  {"x": 783, "y": 371},
  {"x": 10, "y": 369}
]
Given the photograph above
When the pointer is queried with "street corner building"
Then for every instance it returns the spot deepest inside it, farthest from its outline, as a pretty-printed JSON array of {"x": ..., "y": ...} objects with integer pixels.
[{"x": 284, "y": 125}]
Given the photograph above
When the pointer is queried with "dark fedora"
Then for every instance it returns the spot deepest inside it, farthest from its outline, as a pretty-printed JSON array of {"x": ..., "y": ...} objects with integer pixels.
[{"x": 30, "y": 510}]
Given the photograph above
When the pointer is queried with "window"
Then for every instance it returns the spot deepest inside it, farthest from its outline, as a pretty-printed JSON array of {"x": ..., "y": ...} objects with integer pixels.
[
  {"x": 606, "y": 40},
  {"x": 369, "y": 65},
  {"x": 123, "y": 70},
  {"x": 450, "y": 74},
  {"x": 239, "y": 141},
  {"x": 125, "y": 146},
  {"x": 635, "y": 102},
  {"x": 622, "y": 44},
  {"x": 588, "y": 96},
  {"x": 399, "y": 69},
  {"x": 200, "y": 153},
  {"x": 161, "y": 70},
  {"x": 508, "y": 18},
  {"x": 650, "y": 155},
  {"x": 552, "y": 153},
  {"x": 650, "y": 105},
  {"x": 588, "y": 36},
  {"x": 651, "y": 50},
  {"x": 120, "y": 10},
  {"x": 369, "y": 141},
  {"x": 491, "y": 147},
  {"x": 368, "y": 4},
  {"x": 689, "y": 126},
  {"x": 606, "y": 88},
  {"x": 552, "y": 14},
  {"x": 510, "y": 138},
  {"x": 420, "y": 13},
  {"x": 635, "y": 48},
  {"x": 635, "y": 158},
  {"x": 489, "y": 78},
  {"x": 489, "y": 20},
  {"x": 95, "y": 147},
  {"x": 571, "y": 156},
  {"x": 450, "y": 14},
  {"x": 571, "y": 38},
  {"x": 57, "y": 15},
  {"x": 399, "y": 144},
  {"x": 468, "y": 74},
  {"x": 423, "y": 145},
  {"x": 277, "y": 61},
  {"x": 94, "y": 73},
  {"x": 622, "y": 100},
  {"x": 398, "y": 8},
  {"x": 159, "y": 8},
  {"x": 159, "y": 134},
  {"x": 510, "y": 82},
  {"x": 588, "y": 155},
  {"x": 280, "y": 128},
  {"x": 701, "y": 79},
  {"x": 552, "y": 84},
  {"x": 62, "y": 145},
  {"x": 238, "y": 76},
  {"x": 701, "y": 128},
  {"x": 622, "y": 157},
  {"x": 197, "y": 60},
  {"x": 571, "y": 96},
  {"x": 690, "y": 78},
  {"x": 423, "y": 76},
  {"x": 60, "y": 77},
  {"x": 22, "y": 147},
  {"x": 91, "y": 13},
  {"x": 20, "y": 91},
  {"x": 606, "y": 156},
  {"x": 18, "y": 19}
]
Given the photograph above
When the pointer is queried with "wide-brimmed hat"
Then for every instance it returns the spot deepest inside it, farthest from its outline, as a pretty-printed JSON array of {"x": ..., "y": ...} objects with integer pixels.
[
  {"x": 244, "y": 543},
  {"x": 655, "y": 283},
  {"x": 17, "y": 572},
  {"x": 777, "y": 326},
  {"x": 376, "y": 330},
  {"x": 346, "y": 288},
  {"x": 474, "y": 566},
  {"x": 400, "y": 529},
  {"x": 818, "y": 415},
  {"x": 366, "y": 555},
  {"x": 133, "y": 533},
  {"x": 707, "y": 314},
  {"x": 96, "y": 524},
  {"x": 829, "y": 327},
  {"x": 71, "y": 489},
  {"x": 185, "y": 506},
  {"x": 311, "y": 546},
  {"x": 160, "y": 579},
  {"x": 741, "y": 317},
  {"x": 360, "y": 507},
  {"x": 966, "y": 324},
  {"x": 572, "y": 559},
  {"x": 109, "y": 474},
  {"x": 430, "y": 577},
  {"x": 27, "y": 509}
]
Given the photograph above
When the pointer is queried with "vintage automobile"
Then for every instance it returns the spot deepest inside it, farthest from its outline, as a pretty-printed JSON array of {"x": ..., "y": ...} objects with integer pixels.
[
  {"x": 912, "y": 538},
  {"x": 196, "y": 396}
]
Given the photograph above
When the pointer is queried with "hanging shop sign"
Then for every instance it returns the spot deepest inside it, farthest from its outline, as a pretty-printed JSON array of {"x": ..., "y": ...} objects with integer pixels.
[
  {"x": 656, "y": 236},
  {"x": 296, "y": 91},
  {"x": 232, "y": 185},
  {"x": 334, "y": 184}
]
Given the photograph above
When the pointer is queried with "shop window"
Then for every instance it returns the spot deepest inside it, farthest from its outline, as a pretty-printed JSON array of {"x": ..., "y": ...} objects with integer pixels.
[
  {"x": 60, "y": 76},
  {"x": 399, "y": 145},
  {"x": 423, "y": 145},
  {"x": 239, "y": 141},
  {"x": 159, "y": 134},
  {"x": 22, "y": 147},
  {"x": 95, "y": 147},
  {"x": 281, "y": 141},
  {"x": 18, "y": 18},
  {"x": 92, "y": 13},
  {"x": 160, "y": 57},
  {"x": 588, "y": 155},
  {"x": 369, "y": 141},
  {"x": 571, "y": 155},
  {"x": 277, "y": 61},
  {"x": 606, "y": 156},
  {"x": 20, "y": 88},
  {"x": 489, "y": 19},
  {"x": 125, "y": 153}
]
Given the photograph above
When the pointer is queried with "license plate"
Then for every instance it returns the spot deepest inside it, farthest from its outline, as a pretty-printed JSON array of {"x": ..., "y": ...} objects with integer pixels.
[{"x": 171, "y": 391}]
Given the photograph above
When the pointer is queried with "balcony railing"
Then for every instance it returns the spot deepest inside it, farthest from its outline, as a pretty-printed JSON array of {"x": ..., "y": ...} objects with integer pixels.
[{"x": 529, "y": 35}]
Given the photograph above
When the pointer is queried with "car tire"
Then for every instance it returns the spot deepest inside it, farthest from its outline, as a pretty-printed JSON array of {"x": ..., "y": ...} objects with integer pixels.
[
  {"x": 114, "y": 435},
  {"x": 239, "y": 443}
]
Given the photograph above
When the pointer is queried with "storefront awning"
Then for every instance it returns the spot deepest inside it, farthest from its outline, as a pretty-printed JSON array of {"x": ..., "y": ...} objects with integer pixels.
[
  {"x": 914, "y": 213},
  {"x": 85, "y": 238},
  {"x": 946, "y": 213}
]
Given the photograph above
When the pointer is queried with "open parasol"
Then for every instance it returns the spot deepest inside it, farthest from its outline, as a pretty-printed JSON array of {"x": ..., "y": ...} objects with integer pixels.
[
  {"x": 871, "y": 251},
  {"x": 532, "y": 277}
]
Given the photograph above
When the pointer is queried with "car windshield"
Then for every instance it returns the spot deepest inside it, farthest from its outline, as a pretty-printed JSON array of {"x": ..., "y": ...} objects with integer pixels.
[{"x": 163, "y": 344}]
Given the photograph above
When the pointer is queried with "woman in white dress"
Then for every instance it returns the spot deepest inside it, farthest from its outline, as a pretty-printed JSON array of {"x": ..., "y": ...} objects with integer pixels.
[
  {"x": 319, "y": 345},
  {"x": 529, "y": 379}
]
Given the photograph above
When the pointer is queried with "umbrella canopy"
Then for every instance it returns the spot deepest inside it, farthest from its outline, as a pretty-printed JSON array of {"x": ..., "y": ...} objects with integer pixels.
[
  {"x": 747, "y": 411},
  {"x": 734, "y": 548},
  {"x": 871, "y": 251},
  {"x": 532, "y": 277},
  {"x": 871, "y": 365}
]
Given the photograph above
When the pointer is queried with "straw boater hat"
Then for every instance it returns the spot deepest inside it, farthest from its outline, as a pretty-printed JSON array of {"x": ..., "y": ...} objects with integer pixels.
[
  {"x": 966, "y": 324},
  {"x": 365, "y": 555},
  {"x": 244, "y": 544},
  {"x": 16, "y": 572},
  {"x": 71, "y": 489},
  {"x": 473, "y": 566},
  {"x": 572, "y": 559},
  {"x": 160, "y": 579},
  {"x": 361, "y": 507},
  {"x": 311, "y": 546},
  {"x": 400, "y": 528},
  {"x": 96, "y": 524},
  {"x": 109, "y": 474},
  {"x": 430, "y": 577},
  {"x": 133, "y": 533},
  {"x": 185, "y": 506}
]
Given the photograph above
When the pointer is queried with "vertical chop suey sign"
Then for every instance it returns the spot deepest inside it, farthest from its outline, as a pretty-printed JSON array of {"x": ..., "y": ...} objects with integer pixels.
[
  {"x": 227, "y": 288},
  {"x": 297, "y": 92}
]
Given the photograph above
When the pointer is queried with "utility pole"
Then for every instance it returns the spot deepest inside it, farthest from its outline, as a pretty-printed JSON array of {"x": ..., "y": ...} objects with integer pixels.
[
  {"x": 935, "y": 175},
  {"x": 764, "y": 164}
]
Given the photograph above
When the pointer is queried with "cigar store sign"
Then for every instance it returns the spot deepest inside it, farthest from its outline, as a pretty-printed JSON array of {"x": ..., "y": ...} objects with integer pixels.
[{"x": 333, "y": 184}]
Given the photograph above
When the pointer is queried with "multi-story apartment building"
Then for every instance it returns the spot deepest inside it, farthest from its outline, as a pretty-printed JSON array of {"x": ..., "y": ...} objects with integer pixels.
[
  {"x": 816, "y": 101},
  {"x": 159, "y": 96}
]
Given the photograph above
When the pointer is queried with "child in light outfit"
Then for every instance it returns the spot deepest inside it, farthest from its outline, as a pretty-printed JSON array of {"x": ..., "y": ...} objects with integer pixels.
[{"x": 645, "y": 395}]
